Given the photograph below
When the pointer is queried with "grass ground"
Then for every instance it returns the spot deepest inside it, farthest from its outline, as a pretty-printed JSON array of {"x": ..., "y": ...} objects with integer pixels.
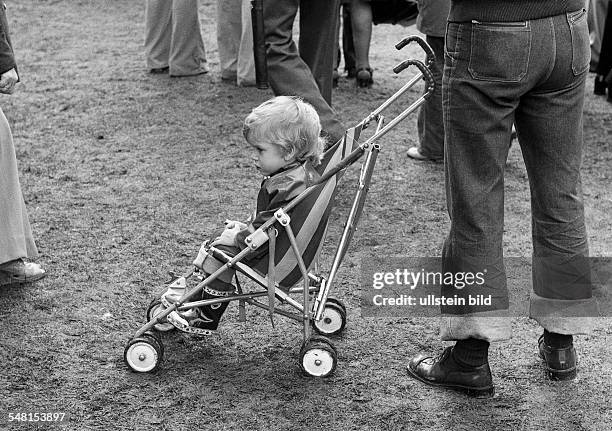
[{"x": 124, "y": 173}]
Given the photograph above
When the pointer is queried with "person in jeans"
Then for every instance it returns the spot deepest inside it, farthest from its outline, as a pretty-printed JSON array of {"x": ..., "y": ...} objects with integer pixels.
[
  {"x": 307, "y": 73},
  {"x": 431, "y": 21},
  {"x": 521, "y": 61}
]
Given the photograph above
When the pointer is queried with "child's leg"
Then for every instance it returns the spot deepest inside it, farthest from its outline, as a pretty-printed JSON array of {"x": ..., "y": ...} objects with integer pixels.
[
  {"x": 203, "y": 320},
  {"x": 218, "y": 288}
]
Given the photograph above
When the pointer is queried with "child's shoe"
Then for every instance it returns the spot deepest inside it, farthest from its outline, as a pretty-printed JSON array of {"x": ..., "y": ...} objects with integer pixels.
[
  {"x": 204, "y": 320},
  {"x": 199, "y": 321},
  {"x": 175, "y": 291}
]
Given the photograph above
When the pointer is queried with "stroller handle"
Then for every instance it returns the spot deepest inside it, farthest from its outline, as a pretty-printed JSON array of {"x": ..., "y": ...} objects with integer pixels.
[
  {"x": 427, "y": 75},
  {"x": 431, "y": 57}
]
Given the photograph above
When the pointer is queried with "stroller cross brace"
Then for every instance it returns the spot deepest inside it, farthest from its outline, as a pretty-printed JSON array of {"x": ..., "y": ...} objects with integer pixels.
[{"x": 327, "y": 315}]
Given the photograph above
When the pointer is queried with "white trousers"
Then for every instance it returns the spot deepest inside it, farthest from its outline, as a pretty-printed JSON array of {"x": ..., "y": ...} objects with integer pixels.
[
  {"x": 16, "y": 239},
  {"x": 235, "y": 41},
  {"x": 173, "y": 38}
]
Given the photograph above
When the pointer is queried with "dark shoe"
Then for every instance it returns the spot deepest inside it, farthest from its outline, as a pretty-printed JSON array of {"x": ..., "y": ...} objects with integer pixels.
[
  {"x": 444, "y": 372},
  {"x": 365, "y": 77},
  {"x": 599, "y": 88},
  {"x": 159, "y": 70},
  {"x": 560, "y": 362}
]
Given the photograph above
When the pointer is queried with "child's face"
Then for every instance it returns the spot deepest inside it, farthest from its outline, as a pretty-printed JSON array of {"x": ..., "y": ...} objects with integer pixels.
[{"x": 269, "y": 158}]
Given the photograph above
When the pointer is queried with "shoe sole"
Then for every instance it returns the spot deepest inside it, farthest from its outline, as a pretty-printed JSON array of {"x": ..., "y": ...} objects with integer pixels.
[
  {"x": 8, "y": 279},
  {"x": 484, "y": 392},
  {"x": 188, "y": 329}
]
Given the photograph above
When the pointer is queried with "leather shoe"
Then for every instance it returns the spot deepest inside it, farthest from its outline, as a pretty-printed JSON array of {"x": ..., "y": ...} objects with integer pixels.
[
  {"x": 444, "y": 372},
  {"x": 159, "y": 70},
  {"x": 561, "y": 363}
]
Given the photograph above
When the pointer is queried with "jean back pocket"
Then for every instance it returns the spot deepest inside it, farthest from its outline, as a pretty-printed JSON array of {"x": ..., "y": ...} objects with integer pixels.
[
  {"x": 581, "y": 51},
  {"x": 500, "y": 51}
]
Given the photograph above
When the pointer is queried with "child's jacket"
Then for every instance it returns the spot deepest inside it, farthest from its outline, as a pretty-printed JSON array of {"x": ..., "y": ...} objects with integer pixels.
[
  {"x": 276, "y": 191},
  {"x": 308, "y": 220}
]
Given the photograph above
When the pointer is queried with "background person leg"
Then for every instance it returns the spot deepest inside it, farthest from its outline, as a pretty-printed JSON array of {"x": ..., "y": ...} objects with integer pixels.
[
  {"x": 158, "y": 24},
  {"x": 187, "y": 55}
]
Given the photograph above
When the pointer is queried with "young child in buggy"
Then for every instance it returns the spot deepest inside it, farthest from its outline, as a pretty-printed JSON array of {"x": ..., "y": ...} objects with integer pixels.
[{"x": 285, "y": 134}]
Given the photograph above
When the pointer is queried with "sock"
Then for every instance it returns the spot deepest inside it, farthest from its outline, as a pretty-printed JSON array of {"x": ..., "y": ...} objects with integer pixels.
[
  {"x": 471, "y": 352},
  {"x": 557, "y": 341}
]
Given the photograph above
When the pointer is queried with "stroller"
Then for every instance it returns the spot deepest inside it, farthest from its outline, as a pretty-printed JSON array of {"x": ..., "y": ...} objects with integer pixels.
[{"x": 294, "y": 236}]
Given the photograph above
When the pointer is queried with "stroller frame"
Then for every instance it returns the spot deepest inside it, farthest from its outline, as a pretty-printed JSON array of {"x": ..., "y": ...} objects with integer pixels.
[{"x": 318, "y": 356}]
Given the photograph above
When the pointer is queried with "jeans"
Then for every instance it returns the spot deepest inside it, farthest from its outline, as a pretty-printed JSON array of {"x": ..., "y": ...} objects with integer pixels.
[
  {"x": 307, "y": 73},
  {"x": 429, "y": 123},
  {"x": 531, "y": 73}
]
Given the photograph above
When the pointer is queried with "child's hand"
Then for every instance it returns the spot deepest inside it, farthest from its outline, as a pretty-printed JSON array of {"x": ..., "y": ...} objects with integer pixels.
[
  {"x": 231, "y": 224},
  {"x": 228, "y": 236}
]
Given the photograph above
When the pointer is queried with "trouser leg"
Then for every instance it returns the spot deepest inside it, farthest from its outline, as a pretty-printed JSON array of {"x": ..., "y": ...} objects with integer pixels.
[
  {"x": 348, "y": 47},
  {"x": 158, "y": 24},
  {"x": 228, "y": 36},
  {"x": 319, "y": 21},
  {"x": 429, "y": 123},
  {"x": 553, "y": 157},
  {"x": 288, "y": 73},
  {"x": 16, "y": 239},
  {"x": 475, "y": 154},
  {"x": 187, "y": 55},
  {"x": 246, "y": 60},
  {"x": 604, "y": 66}
]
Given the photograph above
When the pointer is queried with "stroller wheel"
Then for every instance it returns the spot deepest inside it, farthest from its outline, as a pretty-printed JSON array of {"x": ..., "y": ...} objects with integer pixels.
[
  {"x": 143, "y": 354},
  {"x": 336, "y": 301},
  {"x": 333, "y": 319},
  {"x": 318, "y": 357},
  {"x": 155, "y": 308}
]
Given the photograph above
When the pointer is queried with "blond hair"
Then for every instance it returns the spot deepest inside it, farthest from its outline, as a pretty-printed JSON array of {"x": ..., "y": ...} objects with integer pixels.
[{"x": 290, "y": 123}]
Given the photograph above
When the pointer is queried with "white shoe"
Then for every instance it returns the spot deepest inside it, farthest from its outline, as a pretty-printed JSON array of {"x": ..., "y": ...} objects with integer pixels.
[
  {"x": 415, "y": 153},
  {"x": 190, "y": 322},
  {"x": 18, "y": 271}
]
